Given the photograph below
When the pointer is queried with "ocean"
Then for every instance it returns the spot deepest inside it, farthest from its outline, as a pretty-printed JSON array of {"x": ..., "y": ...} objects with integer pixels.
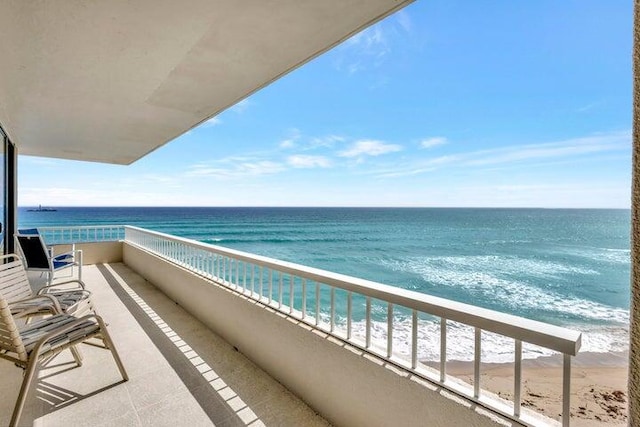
[{"x": 568, "y": 267}]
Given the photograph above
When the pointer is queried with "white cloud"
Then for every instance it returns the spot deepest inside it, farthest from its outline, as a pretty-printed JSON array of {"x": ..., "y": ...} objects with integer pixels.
[
  {"x": 241, "y": 106},
  {"x": 371, "y": 37},
  {"x": 403, "y": 19},
  {"x": 326, "y": 141},
  {"x": 292, "y": 140},
  {"x": 367, "y": 49},
  {"x": 396, "y": 174},
  {"x": 433, "y": 142},
  {"x": 287, "y": 143},
  {"x": 303, "y": 161},
  {"x": 213, "y": 121},
  {"x": 588, "y": 107},
  {"x": 369, "y": 148},
  {"x": 89, "y": 196},
  {"x": 235, "y": 168},
  {"x": 521, "y": 155},
  {"x": 568, "y": 148}
]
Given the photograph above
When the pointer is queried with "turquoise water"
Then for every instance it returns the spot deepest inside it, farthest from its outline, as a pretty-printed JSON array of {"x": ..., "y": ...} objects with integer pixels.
[{"x": 566, "y": 267}]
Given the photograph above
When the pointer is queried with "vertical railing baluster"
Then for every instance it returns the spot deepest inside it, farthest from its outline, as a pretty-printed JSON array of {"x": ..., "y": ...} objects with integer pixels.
[
  {"x": 317, "y": 303},
  {"x": 270, "y": 285},
  {"x": 244, "y": 277},
  {"x": 389, "y": 330},
  {"x": 517, "y": 379},
  {"x": 368, "y": 323},
  {"x": 476, "y": 362},
  {"x": 304, "y": 298},
  {"x": 253, "y": 279},
  {"x": 349, "y": 313},
  {"x": 224, "y": 269},
  {"x": 414, "y": 339},
  {"x": 291, "y": 283},
  {"x": 260, "y": 271},
  {"x": 237, "y": 273},
  {"x": 443, "y": 349},
  {"x": 230, "y": 272},
  {"x": 332, "y": 322},
  {"x": 566, "y": 390},
  {"x": 280, "y": 284}
]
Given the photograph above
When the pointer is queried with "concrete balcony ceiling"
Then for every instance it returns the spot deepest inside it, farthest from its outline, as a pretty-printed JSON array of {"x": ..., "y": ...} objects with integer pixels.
[{"x": 113, "y": 81}]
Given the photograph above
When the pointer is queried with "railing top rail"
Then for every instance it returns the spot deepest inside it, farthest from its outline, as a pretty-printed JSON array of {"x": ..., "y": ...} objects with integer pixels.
[
  {"x": 76, "y": 227},
  {"x": 557, "y": 338}
]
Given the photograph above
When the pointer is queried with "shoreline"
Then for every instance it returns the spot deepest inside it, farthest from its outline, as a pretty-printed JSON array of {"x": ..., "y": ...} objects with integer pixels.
[{"x": 598, "y": 385}]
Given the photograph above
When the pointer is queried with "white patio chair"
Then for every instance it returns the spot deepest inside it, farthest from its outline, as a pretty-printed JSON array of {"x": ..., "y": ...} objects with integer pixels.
[
  {"x": 30, "y": 345},
  {"x": 69, "y": 297}
]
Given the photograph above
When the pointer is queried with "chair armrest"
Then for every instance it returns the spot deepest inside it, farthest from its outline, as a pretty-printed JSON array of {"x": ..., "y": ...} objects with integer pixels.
[
  {"x": 48, "y": 288},
  {"x": 85, "y": 293},
  {"x": 4, "y": 258},
  {"x": 62, "y": 330},
  {"x": 74, "y": 256},
  {"x": 51, "y": 303},
  {"x": 69, "y": 254}
]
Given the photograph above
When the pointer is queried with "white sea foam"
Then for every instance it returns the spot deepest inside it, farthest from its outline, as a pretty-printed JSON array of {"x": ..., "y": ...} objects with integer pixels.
[
  {"x": 609, "y": 255},
  {"x": 472, "y": 274},
  {"x": 615, "y": 256},
  {"x": 505, "y": 265}
]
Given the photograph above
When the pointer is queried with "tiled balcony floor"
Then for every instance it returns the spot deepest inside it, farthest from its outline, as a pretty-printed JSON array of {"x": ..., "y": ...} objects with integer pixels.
[{"x": 181, "y": 373}]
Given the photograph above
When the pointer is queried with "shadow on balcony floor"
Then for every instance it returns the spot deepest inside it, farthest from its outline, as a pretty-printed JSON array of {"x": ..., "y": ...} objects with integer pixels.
[{"x": 180, "y": 372}]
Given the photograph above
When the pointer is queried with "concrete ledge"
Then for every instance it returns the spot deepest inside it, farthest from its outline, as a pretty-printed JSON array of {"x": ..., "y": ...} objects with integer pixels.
[
  {"x": 95, "y": 252},
  {"x": 343, "y": 384}
]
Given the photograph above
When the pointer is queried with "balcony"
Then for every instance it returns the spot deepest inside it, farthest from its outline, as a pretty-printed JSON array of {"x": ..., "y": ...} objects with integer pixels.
[
  {"x": 281, "y": 330},
  {"x": 180, "y": 372}
]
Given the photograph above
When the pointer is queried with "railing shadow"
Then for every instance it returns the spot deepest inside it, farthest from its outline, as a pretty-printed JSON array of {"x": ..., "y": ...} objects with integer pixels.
[
  {"x": 229, "y": 388},
  {"x": 55, "y": 397}
]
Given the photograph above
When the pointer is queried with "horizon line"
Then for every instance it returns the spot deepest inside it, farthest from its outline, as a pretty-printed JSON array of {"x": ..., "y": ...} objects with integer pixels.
[{"x": 327, "y": 207}]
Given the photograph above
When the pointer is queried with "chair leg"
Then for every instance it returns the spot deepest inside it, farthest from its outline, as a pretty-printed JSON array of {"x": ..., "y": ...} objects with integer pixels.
[
  {"x": 106, "y": 338},
  {"x": 77, "y": 355},
  {"x": 24, "y": 389}
]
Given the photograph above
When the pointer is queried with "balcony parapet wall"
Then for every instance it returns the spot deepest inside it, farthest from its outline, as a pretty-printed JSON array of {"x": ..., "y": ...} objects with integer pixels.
[
  {"x": 344, "y": 384},
  {"x": 94, "y": 252}
]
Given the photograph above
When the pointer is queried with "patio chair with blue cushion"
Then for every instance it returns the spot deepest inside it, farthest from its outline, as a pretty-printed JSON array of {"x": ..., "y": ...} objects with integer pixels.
[
  {"x": 30, "y": 345},
  {"x": 36, "y": 232},
  {"x": 37, "y": 257}
]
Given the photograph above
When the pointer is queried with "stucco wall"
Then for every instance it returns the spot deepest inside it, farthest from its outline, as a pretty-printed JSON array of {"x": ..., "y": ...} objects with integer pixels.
[
  {"x": 345, "y": 386},
  {"x": 96, "y": 252}
]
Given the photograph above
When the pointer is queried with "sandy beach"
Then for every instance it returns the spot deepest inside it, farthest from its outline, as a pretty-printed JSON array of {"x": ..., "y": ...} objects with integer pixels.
[{"x": 598, "y": 386}]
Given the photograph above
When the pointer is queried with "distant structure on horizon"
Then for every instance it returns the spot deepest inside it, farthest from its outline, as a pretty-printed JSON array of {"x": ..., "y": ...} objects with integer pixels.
[{"x": 41, "y": 209}]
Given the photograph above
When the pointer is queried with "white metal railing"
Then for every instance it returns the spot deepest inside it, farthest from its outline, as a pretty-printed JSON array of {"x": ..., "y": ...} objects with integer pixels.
[
  {"x": 81, "y": 234},
  {"x": 332, "y": 302}
]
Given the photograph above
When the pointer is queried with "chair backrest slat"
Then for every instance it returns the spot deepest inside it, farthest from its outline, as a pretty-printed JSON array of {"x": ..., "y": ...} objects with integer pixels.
[{"x": 14, "y": 282}]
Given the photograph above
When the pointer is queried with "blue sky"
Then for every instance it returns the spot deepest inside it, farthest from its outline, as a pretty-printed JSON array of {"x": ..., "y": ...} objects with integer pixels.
[{"x": 445, "y": 103}]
